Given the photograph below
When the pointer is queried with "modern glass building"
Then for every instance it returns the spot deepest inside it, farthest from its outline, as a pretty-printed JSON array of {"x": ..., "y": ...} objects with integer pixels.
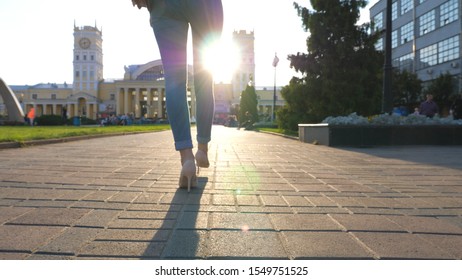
[{"x": 426, "y": 36}]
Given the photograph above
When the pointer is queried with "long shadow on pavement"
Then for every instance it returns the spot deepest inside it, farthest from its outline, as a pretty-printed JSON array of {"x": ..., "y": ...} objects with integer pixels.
[{"x": 185, "y": 235}]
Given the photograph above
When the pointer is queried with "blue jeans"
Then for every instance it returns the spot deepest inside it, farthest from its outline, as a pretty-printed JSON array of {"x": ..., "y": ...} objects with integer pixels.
[{"x": 170, "y": 20}]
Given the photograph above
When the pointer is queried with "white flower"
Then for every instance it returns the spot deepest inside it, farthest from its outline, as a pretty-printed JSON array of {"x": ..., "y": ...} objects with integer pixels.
[
  {"x": 352, "y": 119},
  {"x": 386, "y": 119}
]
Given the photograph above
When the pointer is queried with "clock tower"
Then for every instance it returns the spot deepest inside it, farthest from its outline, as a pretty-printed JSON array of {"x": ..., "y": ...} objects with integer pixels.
[{"x": 88, "y": 59}]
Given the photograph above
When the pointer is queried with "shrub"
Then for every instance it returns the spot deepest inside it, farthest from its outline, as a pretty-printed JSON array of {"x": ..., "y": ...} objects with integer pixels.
[
  {"x": 87, "y": 121},
  {"x": 11, "y": 123},
  {"x": 49, "y": 120},
  {"x": 265, "y": 125}
]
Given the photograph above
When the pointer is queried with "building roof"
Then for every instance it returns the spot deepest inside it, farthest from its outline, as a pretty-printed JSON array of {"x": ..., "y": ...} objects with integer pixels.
[
  {"x": 40, "y": 86},
  {"x": 150, "y": 71}
]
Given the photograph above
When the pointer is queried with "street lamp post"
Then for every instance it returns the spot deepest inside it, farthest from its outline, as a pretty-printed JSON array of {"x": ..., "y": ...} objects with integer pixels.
[{"x": 275, "y": 63}]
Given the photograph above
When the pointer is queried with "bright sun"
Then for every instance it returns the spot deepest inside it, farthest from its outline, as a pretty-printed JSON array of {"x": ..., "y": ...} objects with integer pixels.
[{"x": 222, "y": 59}]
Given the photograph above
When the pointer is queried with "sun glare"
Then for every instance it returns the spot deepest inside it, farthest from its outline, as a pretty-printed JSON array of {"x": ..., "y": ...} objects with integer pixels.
[{"x": 222, "y": 60}]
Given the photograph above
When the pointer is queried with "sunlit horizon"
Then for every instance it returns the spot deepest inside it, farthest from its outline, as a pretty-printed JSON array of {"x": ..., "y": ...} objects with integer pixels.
[{"x": 40, "y": 49}]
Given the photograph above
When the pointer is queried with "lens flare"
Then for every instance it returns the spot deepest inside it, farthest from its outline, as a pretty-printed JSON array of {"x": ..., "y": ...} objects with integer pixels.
[
  {"x": 222, "y": 59},
  {"x": 245, "y": 228}
]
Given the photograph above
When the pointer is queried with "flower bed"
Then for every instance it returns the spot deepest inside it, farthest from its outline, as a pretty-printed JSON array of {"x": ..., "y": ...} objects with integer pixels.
[{"x": 383, "y": 130}]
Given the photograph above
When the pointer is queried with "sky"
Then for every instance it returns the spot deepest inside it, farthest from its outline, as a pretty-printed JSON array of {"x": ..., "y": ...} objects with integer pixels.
[{"x": 36, "y": 36}]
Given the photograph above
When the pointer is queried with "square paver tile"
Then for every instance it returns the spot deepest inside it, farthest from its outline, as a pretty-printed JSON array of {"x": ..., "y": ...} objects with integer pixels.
[
  {"x": 449, "y": 243},
  {"x": 295, "y": 201},
  {"x": 367, "y": 223},
  {"x": 273, "y": 200},
  {"x": 10, "y": 213},
  {"x": 99, "y": 195},
  {"x": 245, "y": 244},
  {"x": 13, "y": 256},
  {"x": 311, "y": 222},
  {"x": 240, "y": 221},
  {"x": 97, "y": 218},
  {"x": 321, "y": 201},
  {"x": 50, "y": 216},
  {"x": 324, "y": 245},
  {"x": 141, "y": 224},
  {"x": 401, "y": 246},
  {"x": 135, "y": 235},
  {"x": 193, "y": 220},
  {"x": 26, "y": 238},
  {"x": 150, "y": 215},
  {"x": 225, "y": 199},
  {"x": 122, "y": 249},
  {"x": 426, "y": 224},
  {"x": 148, "y": 198},
  {"x": 70, "y": 241},
  {"x": 247, "y": 200},
  {"x": 187, "y": 244}
]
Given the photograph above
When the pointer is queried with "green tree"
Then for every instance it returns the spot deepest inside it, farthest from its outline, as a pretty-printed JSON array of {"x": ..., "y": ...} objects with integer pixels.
[
  {"x": 406, "y": 89},
  {"x": 341, "y": 72},
  {"x": 248, "y": 110},
  {"x": 442, "y": 89}
]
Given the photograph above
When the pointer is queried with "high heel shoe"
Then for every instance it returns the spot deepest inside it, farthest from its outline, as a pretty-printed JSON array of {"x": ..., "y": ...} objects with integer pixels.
[
  {"x": 188, "y": 175},
  {"x": 201, "y": 160}
]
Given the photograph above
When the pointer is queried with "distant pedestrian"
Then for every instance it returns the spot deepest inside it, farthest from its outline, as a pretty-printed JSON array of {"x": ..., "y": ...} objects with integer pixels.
[
  {"x": 456, "y": 108},
  {"x": 31, "y": 116},
  {"x": 248, "y": 121},
  {"x": 64, "y": 115},
  {"x": 429, "y": 108}
]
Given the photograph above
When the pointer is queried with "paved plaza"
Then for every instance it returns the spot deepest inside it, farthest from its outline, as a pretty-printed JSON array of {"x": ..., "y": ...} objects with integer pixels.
[{"x": 263, "y": 197}]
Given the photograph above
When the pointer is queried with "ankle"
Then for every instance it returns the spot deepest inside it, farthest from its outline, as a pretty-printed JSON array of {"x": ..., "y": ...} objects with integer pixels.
[
  {"x": 202, "y": 147},
  {"x": 186, "y": 155}
]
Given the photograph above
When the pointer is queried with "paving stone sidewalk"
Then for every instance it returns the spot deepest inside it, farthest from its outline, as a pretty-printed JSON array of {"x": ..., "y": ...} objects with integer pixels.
[{"x": 264, "y": 197}]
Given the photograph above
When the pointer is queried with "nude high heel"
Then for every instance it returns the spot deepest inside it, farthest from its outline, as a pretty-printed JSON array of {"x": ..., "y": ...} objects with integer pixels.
[
  {"x": 202, "y": 160},
  {"x": 188, "y": 175}
]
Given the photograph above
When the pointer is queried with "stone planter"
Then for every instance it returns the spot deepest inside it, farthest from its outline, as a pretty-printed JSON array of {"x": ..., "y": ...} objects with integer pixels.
[{"x": 380, "y": 135}]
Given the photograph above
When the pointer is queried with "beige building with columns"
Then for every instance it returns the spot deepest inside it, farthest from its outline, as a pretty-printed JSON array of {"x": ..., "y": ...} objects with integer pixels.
[{"x": 142, "y": 91}]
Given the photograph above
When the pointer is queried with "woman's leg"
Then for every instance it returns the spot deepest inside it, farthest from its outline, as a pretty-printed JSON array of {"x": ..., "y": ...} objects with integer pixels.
[
  {"x": 171, "y": 35},
  {"x": 206, "y": 18}
]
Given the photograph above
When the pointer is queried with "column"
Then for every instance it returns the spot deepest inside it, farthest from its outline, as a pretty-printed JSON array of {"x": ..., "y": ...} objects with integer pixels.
[
  {"x": 126, "y": 95},
  {"x": 119, "y": 101},
  {"x": 76, "y": 110},
  {"x": 159, "y": 103},
  {"x": 93, "y": 111},
  {"x": 137, "y": 103},
  {"x": 149, "y": 102},
  {"x": 38, "y": 109}
]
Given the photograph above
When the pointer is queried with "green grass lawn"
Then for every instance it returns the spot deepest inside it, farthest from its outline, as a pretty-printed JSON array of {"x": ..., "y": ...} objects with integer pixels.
[{"x": 27, "y": 133}]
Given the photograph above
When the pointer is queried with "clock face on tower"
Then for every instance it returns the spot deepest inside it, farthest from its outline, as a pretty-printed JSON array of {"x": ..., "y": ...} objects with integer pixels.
[{"x": 84, "y": 43}]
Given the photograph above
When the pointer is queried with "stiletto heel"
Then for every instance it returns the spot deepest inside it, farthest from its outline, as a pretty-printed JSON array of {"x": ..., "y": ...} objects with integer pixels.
[{"x": 188, "y": 175}]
